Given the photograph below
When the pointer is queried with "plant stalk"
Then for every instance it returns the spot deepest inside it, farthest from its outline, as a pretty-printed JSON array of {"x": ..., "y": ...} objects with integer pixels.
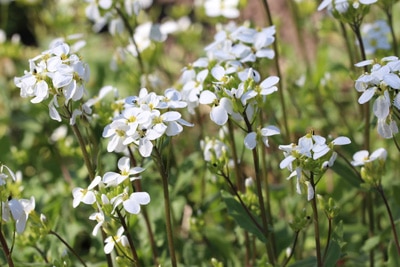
[
  {"x": 167, "y": 207},
  {"x": 389, "y": 211},
  {"x": 316, "y": 224},
  {"x": 5, "y": 249},
  {"x": 68, "y": 246}
]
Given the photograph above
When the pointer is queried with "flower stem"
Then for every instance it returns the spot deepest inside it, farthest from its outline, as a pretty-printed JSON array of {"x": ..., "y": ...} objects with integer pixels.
[
  {"x": 5, "y": 249},
  {"x": 316, "y": 223},
  {"x": 357, "y": 32},
  {"x": 167, "y": 208},
  {"x": 129, "y": 236},
  {"x": 243, "y": 204},
  {"x": 239, "y": 180},
  {"x": 389, "y": 15},
  {"x": 296, "y": 237},
  {"x": 68, "y": 246},
  {"x": 382, "y": 194},
  {"x": 86, "y": 157},
  {"x": 256, "y": 163},
  {"x": 138, "y": 186}
]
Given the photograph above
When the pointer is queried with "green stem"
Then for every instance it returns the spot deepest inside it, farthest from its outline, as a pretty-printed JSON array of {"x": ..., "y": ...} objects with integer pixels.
[
  {"x": 357, "y": 32},
  {"x": 279, "y": 74},
  {"x": 316, "y": 223},
  {"x": 371, "y": 225},
  {"x": 389, "y": 211},
  {"x": 239, "y": 179},
  {"x": 243, "y": 204},
  {"x": 68, "y": 246},
  {"x": 5, "y": 249},
  {"x": 256, "y": 163},
  {"x": 137, "y": 185},
  {"x": 108, "y": 256},
  {"x": 388, "y": 12},
  {"x": 296, "y": 237},
  {"x": 132, "y": 34},
  {"x": 167, "y": 208},
  {"x": 329, "y": 235},
  {"x": 129, "y": 236},
  {"x": 86, "y": 157},
  {"x": 348, "y": 45}
]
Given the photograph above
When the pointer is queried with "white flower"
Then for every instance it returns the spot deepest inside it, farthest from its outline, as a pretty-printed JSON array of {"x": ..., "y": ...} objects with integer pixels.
[
  {"x": 132, "y": 202},
  {"x": 266, "y": 87},
  {"x": 213, "y": 149},
  {"x": 111, "y": 241},
  {"x": 20, "y": 210},
  {"x": 99, "y": 217},
  {"x": 113, "y": 178},
  {"x": 86, "y": 196},
  {"x": 116, "y": 130},
  {"x": 250, "y": 139},
  {"x": 221, "y": 107},
  {"x": 362, "y": 157}
]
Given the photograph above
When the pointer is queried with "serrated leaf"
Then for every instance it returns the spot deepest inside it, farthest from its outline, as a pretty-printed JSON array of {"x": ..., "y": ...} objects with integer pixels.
[{"x": 239, "y": 214}]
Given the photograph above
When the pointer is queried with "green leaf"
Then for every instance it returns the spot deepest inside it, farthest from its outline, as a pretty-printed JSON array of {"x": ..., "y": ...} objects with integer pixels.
[
  {"x": 394, "y": 259},
  {"x": 371, "y": 243},
  {"x": 345, "y": 172},
  {"x": 309, "y": 262},
  {"x": 239, "y": 214},
  {"x": 333, "y": 254}
]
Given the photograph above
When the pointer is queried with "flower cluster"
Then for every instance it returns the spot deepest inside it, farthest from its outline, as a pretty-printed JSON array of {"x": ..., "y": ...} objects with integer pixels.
[
  {"x": 144, "y": 120},
  {"x": 311, "y": 155},
  {"x": 11, "y": 208},
  {"x": 57, "y": 74},
  {"x": 383, "y": 82},
  {"x": 223, "y": 79},
  {"x": 110, "y": 194}
]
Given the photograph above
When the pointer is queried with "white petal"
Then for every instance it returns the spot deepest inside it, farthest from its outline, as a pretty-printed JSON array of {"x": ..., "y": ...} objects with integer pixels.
[
  {"x": 109, "y": 247},
  {"x": 124, "y": 163},
  {"x": 341, "y": 140},
  {"x": 392, "y": 80},
  {"x": 270, "y": 130},
  {"x": 218, "y": 72},
  {"x": 131, "y": 206},
  {"x": 171, "y": 116},
  {"x": 207, "y": 97},
  {"x": 145, "y": 147},
  {"x": 310, "y": 191},
  {"x": 89, "y": 198},
  {"x": 367, "y": 95},
  {"x": 362, "y": 63},
  {"x": 381, "y": 106},
  {"x": 269, "y": 82},
  {"x": 287, "y": 161},
  {"x": 143, "y": 198},
  {"x": 16, "y": 208},
  {"x": 250, "y": 140},
  {"x": 219, "y": 115}
]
